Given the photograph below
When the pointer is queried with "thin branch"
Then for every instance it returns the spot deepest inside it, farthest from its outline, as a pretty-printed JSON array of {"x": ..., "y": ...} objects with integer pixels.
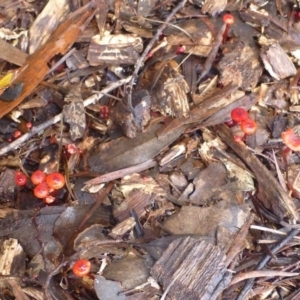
[
  {"x": 263, "y": 273},
  {"x": 271, "y": 230},
  {"x": 249, "y": 282},
  {"x": 142, "y": 58},
  {"x": 38, "y": 129},
  {"x": 122, "y": 172}
]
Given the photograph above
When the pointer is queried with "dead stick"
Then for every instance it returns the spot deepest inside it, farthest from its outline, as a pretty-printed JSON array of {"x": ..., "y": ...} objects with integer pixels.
[
  {"x": 142, "y": 58},
  {"x": 249, "y": 283},
  {"x": 123, "y": 172},
  {"x": 38, "y": 129},
  {"x": 236, "y": 246},
  {"x": 100, "y": 198},
  {"x": 262, "y": 273},
  {"x": 212, "y": 54}
]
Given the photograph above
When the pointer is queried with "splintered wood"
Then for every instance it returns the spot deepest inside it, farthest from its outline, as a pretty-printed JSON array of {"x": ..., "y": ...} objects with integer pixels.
[
  {"x": 114, "y": 49},
  {"x": 168, "y": 89},
  {"x": 190, "y": 270}
]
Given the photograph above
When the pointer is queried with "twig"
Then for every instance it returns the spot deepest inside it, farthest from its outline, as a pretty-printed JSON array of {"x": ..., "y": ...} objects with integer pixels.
[
  {"x": 249, "y": 283},
  {"x": 38, "y": 129},
  {"x": 121, "y": 173},
  {"x": 100, "y": 197},
  {"x": 263, "y": 273},
  {"x": 142, "y": 58},
  {"x": 61, "y": 61},
  {"x": 271, "y": 230},
  {"x": 212, "y": 54},
  {"x": 236, "y": 246}
]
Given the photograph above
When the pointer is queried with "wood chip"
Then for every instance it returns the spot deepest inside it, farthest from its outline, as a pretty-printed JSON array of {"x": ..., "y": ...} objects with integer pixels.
[{"x": 190, "y": 269}]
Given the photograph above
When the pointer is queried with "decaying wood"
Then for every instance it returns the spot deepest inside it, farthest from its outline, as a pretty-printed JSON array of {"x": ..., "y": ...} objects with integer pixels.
[
  {"x": 202, "y": 112},
  {"x": 7, "y": 188},
  {"x": 238, "y": 241},
  {"x": 12, "y": 258},
  {"x": 270, "y": 193},
  {"x": 167, "y": 88},
  {"x": 126, "y": 152},
  {"x": 12, "y": 54},
  {"x": 47, "y": 21},
  {"x": 142, "y": 58},
  {"x": 241, "y": 66},
  {"x": 190, "y": 270},
  {"x": 212, "y": 54},
  {"x": 35, "y": 66},
  {"x": 136, "y": 200},
  {"x": 114, "y": 49},
  {"x": 276, "y": 61},
  {"x": 122, "y": 228},
  {"x": 74, "y": 113},
  {"x": 213, "y": 7},
  {"x": 197, "y": 37}
]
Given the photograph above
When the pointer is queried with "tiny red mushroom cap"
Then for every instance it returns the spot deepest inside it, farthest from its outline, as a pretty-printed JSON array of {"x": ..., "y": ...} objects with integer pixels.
[
  {"x": 228, "y": 19},
  {"x": 239, "y": 114},
  {"x": 81, "y": 267},
  {"x": 17, "y": 134},
  {"x": 249, "y": 126},
  {"x": 20, "y": 178},
  {"x": 290, "y": 139},
  {"x": 38, "y": 177},
  {"x": 41, "y": 190},
  {"x": 55, "y": 180}
]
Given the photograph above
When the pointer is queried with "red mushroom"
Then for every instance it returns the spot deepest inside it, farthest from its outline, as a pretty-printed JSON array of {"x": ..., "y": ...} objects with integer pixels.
[
  {"x": 81, "y": 267},
  {"x": 239, "y": 114},
  {"x": 290, "y": 139},
  {"x": 20, "y": 178},
  {"x": 249, "y": 126},
  {"x": 228, "y": 19}
]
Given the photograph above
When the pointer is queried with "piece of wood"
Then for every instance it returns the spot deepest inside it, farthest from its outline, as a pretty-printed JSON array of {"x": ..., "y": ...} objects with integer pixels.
[
  {"x": 168, "y": 89},
  {"x": 125, "y": 152},
  {"x": 35, "y": 67},
  {"x": 241, "y": 66},
  {"x": 213, "y": 7},
  {"x": 277, "y": 62},
  {"x": 136, "y": 200},
  {"x": 202, "y": 112},
  {"x": 114, "y": 49},
  {"x": 12, "y": 258},
  {"x": 190, "y": 269},
  {"x": 12, "y": 54},
  {"x": 47, "y": 21},
  {"x": 270, "y": 193},
  {"x": 7, "y": 186}
]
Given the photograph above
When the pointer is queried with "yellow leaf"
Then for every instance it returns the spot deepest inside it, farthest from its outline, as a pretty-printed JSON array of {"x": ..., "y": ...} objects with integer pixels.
[{"x": 6, "y": 80}]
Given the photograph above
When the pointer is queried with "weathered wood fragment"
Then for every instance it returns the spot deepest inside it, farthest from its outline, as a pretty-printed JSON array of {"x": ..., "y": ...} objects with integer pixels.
[
  {"x": 114, "y": 49},
  {"x": 190, "y": 269},
  {"x": 277, "y": 63},
  {"x": 241, "y": 66},
  {"x": 12, "y": 54}
]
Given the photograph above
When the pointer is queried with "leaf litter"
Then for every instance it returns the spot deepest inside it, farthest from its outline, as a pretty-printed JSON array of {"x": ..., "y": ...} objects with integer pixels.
[{"x": 164, "y": 194}]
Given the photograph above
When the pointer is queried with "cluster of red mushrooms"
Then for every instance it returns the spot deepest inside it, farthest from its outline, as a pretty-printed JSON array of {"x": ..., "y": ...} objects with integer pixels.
[
  {"x": 45, "y": 184},
  {"x": 240, "y": 116}
]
